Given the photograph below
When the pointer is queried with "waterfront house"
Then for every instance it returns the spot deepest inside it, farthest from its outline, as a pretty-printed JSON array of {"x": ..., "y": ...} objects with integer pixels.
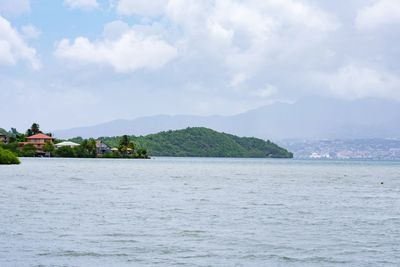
[
  {"x": 102, "y": 148},
  {"x": 38, "y": 141},
  {"x": 66, "y": 144}
]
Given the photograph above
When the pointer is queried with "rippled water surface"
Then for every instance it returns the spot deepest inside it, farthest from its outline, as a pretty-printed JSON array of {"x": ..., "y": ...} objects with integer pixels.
[{"x": 199, "y": 212}]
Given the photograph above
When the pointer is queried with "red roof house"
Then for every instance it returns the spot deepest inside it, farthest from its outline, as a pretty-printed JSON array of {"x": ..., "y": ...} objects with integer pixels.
[
  {"x": 40, "y": 137},
  {"x": 38, "y": 140}
]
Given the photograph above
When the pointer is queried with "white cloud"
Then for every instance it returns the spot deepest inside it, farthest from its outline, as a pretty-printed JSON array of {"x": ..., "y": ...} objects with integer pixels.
[
  {"x": 13, "y": 48},
  {"x": 129, "y": 52},
  {"x": 266, "y": 92},
  {"x": 356, "y": 81},
  {"x": 238, "y": 79},
  {"x": 30, "y": 32},
  {"x": 14, "y": 8},
  {"x": 115, "y": 29},
  {"x": 141, "y": 7},
  {"x": 82, "y": 4},
  {"x": 243, "y": 37},
  {"x": 234, "y": 44},
  {"x": 252, "y": 35},
  {"x": 382, "y": 13}
]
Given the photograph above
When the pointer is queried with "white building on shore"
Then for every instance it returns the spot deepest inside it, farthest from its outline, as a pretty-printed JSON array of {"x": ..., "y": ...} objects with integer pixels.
[{"x": 66, "y": 143}]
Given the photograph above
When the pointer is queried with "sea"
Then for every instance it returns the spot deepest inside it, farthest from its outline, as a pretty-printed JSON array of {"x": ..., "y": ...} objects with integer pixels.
[{"x": 199, "y": 212}]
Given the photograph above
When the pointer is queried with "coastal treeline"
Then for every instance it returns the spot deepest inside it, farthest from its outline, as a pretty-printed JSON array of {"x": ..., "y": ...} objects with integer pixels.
[
  {"x": 189, "y": 142},
  {"x": 19, "y": 144},
  {"x": 204, "y": 142}
]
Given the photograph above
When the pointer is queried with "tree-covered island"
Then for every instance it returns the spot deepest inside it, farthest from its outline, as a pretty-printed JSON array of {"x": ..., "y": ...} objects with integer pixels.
[{"x": 204, "y": 142}]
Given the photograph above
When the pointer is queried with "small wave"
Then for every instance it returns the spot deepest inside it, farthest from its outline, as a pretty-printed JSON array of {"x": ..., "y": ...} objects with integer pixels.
[
  {"x": 313, "y": 259},
  {"x": 192, "y": 233},
  {"x": 73, "y": 253},
  {"x": 22, "y": 187},
  {"x": 75, "y": 179}
]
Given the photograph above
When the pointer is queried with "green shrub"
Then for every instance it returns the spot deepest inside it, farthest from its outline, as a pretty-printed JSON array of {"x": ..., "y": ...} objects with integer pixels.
[
  {"x": 65, "y": 152},
  {"x": 111, "y": 155},
  {"x": 28, "y": 150},
  {"x": 141, "y": 153},
  {"x": 8, "y": 157}
]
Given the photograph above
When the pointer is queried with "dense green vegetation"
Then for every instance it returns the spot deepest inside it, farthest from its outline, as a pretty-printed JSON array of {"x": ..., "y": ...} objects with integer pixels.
[
  {"x": 126, "y": 148},
  {"x": 14, "y": 137},
  {"x": 203, "y": 142},
  {"x": 190, "y": 142},
  {"x": 8, "y": 157}
]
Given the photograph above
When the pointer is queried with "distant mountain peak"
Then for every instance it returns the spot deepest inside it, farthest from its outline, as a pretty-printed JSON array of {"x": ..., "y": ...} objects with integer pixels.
[{"x": 305, "y": 119}]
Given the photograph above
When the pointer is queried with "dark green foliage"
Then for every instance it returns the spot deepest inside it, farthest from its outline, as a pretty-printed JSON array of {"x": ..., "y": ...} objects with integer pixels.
[
  {"x": 8, "y": 157},
  {"x": 124, "y": 141},
  {"x": 141, "y": 153},
  {"x": 203, "y": 142},
  {"x": 112, "y": 155},
  {"x": 21, "y": 137},
  {"x": 28, "y": 151},
  {"x": 35, "y": 129},
  {"x": 125, "y": 146},
  {"x": 13, "y": 135},
  {"x": 48, "y": 147},
  {"x": 12, "y": 146},
  {"x": 14, "y": 131},
  {"x": 65, "y": 152},
  {"x": 87, "y": 149}
]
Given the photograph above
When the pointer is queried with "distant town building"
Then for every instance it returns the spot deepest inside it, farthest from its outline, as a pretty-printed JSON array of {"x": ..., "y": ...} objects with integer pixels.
[
  {"x": 66, "y": 144},
  {"x": 3, "y": 138},
  {"x": 316, "y": 155},
  {"x": 102, "y": 148},
  {"x": 38, "y": 141}
]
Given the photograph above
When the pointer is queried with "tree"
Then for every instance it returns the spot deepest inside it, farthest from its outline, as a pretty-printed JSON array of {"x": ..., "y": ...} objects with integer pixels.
[
  {"x": 29, "y": 132},
  {"x": 12, "y": 146},
  {"x": 28, "y": 150},
  {"x": 91, "y": 147},
  {"x": 35, "y": 129},
  {"x": 21, "y": 137},
  {"x": 14, "y": 131},
  {"x": 125, "y": 145},
  {"x": 141, "y": 153},
  {"x": 87, "y": 149},
  {"x": 48, "y": 147},
  {"x": 124, "y": 140},
  {"x": 65, "y": 152},
  {"x": 12, "y": 139}
]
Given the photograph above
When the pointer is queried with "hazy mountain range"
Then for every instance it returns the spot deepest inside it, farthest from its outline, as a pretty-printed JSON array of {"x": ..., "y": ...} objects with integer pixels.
[{"x": 305, "y": 119}]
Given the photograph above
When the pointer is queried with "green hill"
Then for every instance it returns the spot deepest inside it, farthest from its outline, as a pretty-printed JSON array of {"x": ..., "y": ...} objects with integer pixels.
[{"x": 203, "y": 142}]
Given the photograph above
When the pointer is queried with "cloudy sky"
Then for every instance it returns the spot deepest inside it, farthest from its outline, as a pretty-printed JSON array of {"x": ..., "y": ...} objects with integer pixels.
[{"x": 66, "y": 63}]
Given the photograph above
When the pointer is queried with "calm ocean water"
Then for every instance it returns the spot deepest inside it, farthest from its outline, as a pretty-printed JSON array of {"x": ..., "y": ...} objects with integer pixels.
[{"x": 199, "y": 212}]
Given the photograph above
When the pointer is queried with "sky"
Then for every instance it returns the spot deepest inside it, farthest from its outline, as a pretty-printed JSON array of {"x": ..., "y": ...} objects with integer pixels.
[{"x": 68, "y": 63}]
